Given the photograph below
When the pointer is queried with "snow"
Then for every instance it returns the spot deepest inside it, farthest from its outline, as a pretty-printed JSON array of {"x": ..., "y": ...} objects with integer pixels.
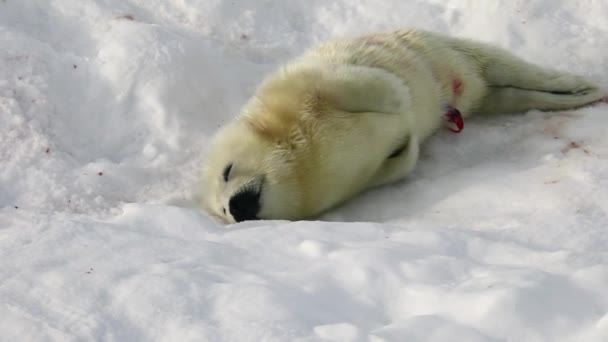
[{"x": 106, "y": 106}]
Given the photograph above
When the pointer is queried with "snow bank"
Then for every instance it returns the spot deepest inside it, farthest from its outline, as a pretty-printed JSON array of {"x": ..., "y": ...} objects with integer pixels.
[{"x": 105, "y": 110}]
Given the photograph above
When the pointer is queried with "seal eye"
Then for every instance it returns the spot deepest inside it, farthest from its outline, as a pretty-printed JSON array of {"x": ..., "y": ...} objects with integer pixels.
[{"x": 226, "y": 173}]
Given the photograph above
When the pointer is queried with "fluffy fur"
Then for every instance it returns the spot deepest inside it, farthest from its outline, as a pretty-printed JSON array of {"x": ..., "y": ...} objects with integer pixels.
[{"x": 350, "y": 115}]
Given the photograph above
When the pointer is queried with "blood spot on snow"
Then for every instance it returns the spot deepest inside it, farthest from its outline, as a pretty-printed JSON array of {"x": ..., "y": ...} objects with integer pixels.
[
  {"x": 457, "y": 86},
  {"x": 555, "y": 122},
  {"x": 16, "y": 207},
  {"x": 47, "y": 151},
  {"x": 573, "y": 145},
  {"x": 125, "y": 17},
  {"x": 100, "y": 173}
]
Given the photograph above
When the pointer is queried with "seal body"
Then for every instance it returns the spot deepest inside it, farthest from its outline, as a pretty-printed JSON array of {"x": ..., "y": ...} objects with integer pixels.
[{"x": 350, "y": 114}]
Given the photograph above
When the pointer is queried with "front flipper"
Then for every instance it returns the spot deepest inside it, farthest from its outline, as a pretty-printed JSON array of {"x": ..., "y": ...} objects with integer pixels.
[
  {"x": 398, "y": 164},
  {"x": 351, "y": 88}
]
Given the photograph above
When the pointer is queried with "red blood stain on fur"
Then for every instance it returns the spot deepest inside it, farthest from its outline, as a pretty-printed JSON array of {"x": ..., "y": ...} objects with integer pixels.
[{"x": 457, "y": 86}]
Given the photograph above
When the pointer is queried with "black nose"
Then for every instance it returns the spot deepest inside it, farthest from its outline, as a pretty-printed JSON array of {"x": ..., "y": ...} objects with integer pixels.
[{"x": 245, "y": 205}]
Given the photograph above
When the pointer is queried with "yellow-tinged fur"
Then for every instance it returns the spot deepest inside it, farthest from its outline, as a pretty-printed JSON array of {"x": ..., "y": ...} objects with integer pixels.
[{"x": 321, "y": 129}]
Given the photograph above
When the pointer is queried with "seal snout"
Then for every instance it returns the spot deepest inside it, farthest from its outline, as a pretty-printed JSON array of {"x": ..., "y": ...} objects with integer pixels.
[{"x": 245, "y": 205}]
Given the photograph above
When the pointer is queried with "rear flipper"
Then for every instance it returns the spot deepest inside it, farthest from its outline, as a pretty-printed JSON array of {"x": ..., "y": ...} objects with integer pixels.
[
  {"x": 510, "y": 99},
  {"x": 516, "y": 85}
]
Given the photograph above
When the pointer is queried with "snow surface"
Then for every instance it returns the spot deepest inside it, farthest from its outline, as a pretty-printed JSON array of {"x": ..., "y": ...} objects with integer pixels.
[{"x": 106, "y": 106}]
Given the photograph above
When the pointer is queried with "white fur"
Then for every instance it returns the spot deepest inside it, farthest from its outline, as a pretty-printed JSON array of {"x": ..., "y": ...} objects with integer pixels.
[{"x": 320, "y": 129}]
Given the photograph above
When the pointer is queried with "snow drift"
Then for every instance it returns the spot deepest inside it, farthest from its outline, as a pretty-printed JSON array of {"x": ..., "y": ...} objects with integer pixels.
[{"x": 105, "y": 110}]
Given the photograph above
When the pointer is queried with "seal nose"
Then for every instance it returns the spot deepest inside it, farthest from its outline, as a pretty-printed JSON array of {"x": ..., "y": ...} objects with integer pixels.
[{"x": 245, "y": 205}]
